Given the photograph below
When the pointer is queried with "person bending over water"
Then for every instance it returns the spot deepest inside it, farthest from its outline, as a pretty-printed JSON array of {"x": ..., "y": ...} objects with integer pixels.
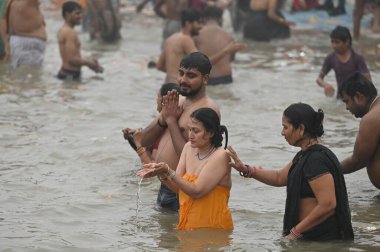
[
  {"x": 69, "y": 45},
  {"x": 361, "y": 99},
  {"x": 316, "y": 203},
  {"x": 203, "y": 175}
]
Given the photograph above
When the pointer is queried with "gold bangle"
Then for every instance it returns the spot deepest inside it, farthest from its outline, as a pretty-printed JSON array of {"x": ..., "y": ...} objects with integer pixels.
[{"x": 140, "y": 151}]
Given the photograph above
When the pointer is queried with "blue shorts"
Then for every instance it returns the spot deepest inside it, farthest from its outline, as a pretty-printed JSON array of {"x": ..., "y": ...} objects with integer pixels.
[{"x": 167, "y": 198}]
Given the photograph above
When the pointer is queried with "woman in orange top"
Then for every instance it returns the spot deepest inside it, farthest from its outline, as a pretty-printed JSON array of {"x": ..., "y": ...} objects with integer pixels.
[{"x": 203, "y": 175}]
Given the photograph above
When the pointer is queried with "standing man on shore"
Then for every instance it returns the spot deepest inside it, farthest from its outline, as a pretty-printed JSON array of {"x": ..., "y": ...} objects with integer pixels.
[
  {"x": 27, "y": 33},
  {"x": 69, "y": 45},
  {"x": 361, "y": 99}
]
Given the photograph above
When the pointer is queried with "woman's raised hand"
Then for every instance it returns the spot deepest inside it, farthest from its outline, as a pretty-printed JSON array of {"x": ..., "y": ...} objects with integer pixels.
[{"x": 235, "y": 162}]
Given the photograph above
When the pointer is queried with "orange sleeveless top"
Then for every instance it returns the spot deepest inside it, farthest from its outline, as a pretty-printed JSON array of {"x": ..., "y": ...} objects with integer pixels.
[{"x": 210, "y": 211}]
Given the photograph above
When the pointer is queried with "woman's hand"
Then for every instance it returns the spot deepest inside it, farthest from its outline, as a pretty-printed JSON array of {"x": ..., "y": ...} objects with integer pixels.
[
  {"x": 236, "y": 162},
  {"x": 152, "y": 169}
]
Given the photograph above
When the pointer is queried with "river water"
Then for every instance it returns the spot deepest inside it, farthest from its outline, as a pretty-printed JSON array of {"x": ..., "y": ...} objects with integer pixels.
[{"x": 67, "y": 177}]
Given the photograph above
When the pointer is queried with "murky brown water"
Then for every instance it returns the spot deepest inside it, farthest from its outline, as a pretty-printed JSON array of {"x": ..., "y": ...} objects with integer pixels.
[{"x": 67, "y": 176}]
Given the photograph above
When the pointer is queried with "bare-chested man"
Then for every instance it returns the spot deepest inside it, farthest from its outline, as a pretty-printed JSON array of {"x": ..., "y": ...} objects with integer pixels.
[
  {"x": 212, "y": 39},
  {"x": 27, "y": 33},
  {"x": 172, "y": 15},
  {"x": 171, "y": 124},
  {"x": 181, "y": 44},
  {"x": 69, "y": 45},
  {"x": 361, "y": 99}
]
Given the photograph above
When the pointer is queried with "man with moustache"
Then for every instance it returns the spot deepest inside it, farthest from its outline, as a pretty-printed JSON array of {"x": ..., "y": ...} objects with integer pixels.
[
  {"x": 361, "y": 99},
  {"x": 171, "y": 125},
  {"x": 69, "y": 45},
  {"x": 27, "y": 34},
  {"x": 181, "y": 44}
]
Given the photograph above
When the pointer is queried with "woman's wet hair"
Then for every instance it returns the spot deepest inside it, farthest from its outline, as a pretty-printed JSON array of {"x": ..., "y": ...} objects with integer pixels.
[
  {"x": 357, "y": 82},
  {"x": 341, "y": 33},
  {"x": 196, "y": 60},
  {"x": 211, "y": 122},
  {"x": 190, "y": 15},
  {"x": 301, "y": 113},
  {"x": 165, "y": 88},
  {"x": 69, "y": 7}
]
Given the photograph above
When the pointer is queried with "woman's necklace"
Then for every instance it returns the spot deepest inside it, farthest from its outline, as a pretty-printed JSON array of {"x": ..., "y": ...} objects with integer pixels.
[
  {"x": 374, "y": 100},
  {"x": 207, "y": 155}
]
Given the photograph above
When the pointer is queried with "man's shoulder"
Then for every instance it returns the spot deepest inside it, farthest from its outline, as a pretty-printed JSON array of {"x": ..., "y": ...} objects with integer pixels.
[
  {"x": 205, "y": 102},
  {"x": 66, "y": 33},
  {"x": 372, "y": 118},
  {"x": 174, "y": 38}
]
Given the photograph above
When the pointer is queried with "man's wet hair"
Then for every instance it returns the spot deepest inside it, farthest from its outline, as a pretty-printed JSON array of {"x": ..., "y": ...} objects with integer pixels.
[
  {"x": 341, "y": 33},
  {"x": 69, "y": 7},
  {"x": 165, "y": 88},
  {"x": 190, "y": 15},
  {"x": 196, "y": 60},
  {"x": 357, "y": 82},
  {"x": 211, "y": 12}
]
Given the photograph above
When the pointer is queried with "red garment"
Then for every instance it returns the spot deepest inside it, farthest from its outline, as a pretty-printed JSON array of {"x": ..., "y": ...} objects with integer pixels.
[
  {"x": 198, "y": 4},
  {"x": 299, "y": 5}
]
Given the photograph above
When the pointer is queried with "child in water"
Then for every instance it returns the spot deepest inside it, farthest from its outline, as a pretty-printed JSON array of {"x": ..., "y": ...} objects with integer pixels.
[{"x": 343, "y": 60}]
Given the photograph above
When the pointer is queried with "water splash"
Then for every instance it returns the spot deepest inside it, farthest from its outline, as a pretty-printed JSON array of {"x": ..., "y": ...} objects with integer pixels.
[{"x": 138, "y": 202}]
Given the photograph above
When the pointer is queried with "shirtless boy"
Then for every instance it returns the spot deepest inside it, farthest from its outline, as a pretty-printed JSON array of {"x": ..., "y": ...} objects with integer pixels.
[
  {"x": 361, "y": 99},
  {"x": 69, "y": 45},
  {"x": 28, "y": 36},
  {"x": 181, "y": 44},
  {"x": 343, "y": 60}
]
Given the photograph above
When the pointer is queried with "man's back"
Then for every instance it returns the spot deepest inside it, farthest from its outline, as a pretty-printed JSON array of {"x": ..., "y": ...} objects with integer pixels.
[
  {"x": 212, "y": 39},
  {"x": 175, "y": 48},
  {"x": 370, "y": 127}
]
